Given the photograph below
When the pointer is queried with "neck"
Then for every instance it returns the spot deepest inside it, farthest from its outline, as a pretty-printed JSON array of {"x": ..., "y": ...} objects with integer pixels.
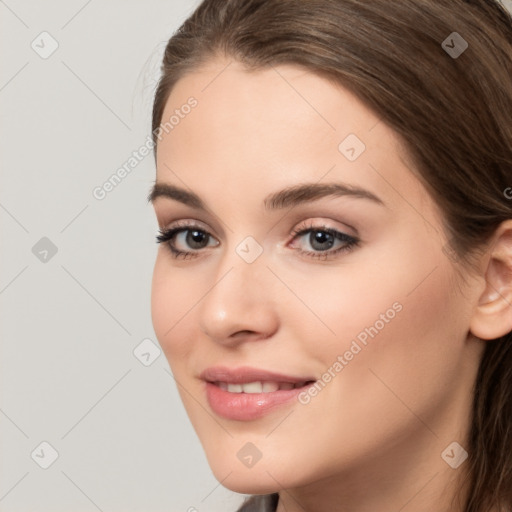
[{"x": 398, "y": 485}]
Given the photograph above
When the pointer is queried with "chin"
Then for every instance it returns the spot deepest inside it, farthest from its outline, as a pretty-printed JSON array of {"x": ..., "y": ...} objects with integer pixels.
[
  {"x": 263, "y": 477},
  {"x": 246, "y": 482}
]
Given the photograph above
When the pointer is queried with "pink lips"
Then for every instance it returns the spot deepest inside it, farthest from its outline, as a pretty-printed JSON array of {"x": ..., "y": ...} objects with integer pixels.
[{"x": 248, "y": 406}]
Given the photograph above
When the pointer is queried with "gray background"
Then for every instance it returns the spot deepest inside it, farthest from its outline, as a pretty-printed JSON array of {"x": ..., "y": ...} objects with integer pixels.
[
  {"x": 69, "y": 325},
  {"x": 71, "y": 320}
]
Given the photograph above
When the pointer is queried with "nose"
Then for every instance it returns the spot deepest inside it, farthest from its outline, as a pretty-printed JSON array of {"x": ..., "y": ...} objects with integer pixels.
[{"x": 240, "y": 303}]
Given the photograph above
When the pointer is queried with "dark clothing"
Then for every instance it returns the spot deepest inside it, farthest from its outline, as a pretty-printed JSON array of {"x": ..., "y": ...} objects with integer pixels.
[{"x": 263, "y": 503}]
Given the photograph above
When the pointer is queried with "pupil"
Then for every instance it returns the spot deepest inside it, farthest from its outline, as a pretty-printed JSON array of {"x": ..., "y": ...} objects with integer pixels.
[
  {"x": 195, "y": 237},
  {"x": 320, "y": 237}
]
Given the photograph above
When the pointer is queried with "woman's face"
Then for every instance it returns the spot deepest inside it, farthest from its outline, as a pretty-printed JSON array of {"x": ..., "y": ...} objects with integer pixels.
[{"x": 352, "y": 290}]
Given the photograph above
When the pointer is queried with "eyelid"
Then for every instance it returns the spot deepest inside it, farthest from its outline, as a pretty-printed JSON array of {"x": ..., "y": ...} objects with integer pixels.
[
  {"x": 326, "y": 223},
  {"x": 339, "y": 234},
  {"x": 168, "y": 218},
  {"x": 184, "y": 223},
  {"x": 319, "y": 223}
]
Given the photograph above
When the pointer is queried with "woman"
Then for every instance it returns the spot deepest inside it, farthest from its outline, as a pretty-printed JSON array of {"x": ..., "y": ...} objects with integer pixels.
[{"x": 333, "y": 288}]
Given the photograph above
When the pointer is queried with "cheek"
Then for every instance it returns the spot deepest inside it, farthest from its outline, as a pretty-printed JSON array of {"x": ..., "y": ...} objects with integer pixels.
[
  {"x": 172, "y": 301},
  {"x": 399, "y": 319},
  {"x": 415, "y": 357}
]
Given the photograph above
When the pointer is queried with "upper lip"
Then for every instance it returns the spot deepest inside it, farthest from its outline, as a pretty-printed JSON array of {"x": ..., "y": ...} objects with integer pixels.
[{"x": 245, "y": 374}]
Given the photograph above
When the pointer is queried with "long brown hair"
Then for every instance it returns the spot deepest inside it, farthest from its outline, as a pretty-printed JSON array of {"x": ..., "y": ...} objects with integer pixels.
[{"x": 452, "y": 112}]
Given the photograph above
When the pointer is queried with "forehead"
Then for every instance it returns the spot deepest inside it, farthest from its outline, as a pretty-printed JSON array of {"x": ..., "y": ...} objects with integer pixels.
[
  {"x": 270, "y": 102},
  {"x": 278, "y": 125}
]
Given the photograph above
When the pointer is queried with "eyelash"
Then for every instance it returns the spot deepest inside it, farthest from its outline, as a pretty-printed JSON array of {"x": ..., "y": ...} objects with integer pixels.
[{"x": 166, "y": 236}]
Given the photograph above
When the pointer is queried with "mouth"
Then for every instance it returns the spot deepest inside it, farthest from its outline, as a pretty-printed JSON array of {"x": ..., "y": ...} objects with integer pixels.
[
  {"x": 252, "y": 377},
  {"x": 246, "y": 394},
  {"x": 260, "y": 386}
]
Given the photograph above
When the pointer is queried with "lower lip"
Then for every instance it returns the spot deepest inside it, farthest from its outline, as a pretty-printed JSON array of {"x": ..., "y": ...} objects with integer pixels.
[{"x": 247, "y": 406}]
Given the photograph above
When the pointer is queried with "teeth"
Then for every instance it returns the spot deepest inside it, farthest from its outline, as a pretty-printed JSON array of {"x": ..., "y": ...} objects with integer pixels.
[
  {"x": 269, "y": 387},
  {"x": 258, "y": 386},
  {"x": 252, "y": 387}
]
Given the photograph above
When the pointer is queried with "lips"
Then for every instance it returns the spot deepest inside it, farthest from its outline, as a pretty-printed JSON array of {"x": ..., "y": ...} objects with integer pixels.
[
  {"x": 247, "y": 374},
  {"x": 247, "y": 393}
]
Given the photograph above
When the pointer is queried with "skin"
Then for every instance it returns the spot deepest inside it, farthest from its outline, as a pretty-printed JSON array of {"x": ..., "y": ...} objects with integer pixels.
[{"x": 372, "y": 439}]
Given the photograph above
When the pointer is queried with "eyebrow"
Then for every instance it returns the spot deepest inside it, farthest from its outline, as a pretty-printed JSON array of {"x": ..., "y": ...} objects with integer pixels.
[{"x": 290, "y": 196}]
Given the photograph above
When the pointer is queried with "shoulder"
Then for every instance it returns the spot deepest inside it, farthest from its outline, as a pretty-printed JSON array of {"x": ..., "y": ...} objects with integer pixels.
[{"x": 264, "y": 503}]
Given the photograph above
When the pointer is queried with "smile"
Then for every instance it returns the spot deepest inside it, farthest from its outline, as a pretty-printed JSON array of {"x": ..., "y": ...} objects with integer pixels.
[
  {"x": 258, "y": 386},
  {"x": 246, "y": 394}
]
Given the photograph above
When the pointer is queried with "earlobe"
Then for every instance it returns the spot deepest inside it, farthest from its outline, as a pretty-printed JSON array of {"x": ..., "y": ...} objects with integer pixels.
[{"x": 492, "y": 317}]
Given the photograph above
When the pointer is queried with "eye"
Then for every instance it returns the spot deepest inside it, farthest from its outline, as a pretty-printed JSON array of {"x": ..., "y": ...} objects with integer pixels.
[
  {"x": 181, "y": 238},
  {"x": 322, "y": 238},
  {"x": 186, "y": 241}
]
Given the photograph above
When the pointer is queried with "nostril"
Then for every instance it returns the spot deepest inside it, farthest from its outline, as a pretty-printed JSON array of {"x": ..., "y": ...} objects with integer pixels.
[{"x": 242, "y": 333}]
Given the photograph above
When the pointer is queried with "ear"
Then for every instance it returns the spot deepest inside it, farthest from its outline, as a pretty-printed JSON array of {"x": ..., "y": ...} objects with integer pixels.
[{"x": 492, "y": 317}]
